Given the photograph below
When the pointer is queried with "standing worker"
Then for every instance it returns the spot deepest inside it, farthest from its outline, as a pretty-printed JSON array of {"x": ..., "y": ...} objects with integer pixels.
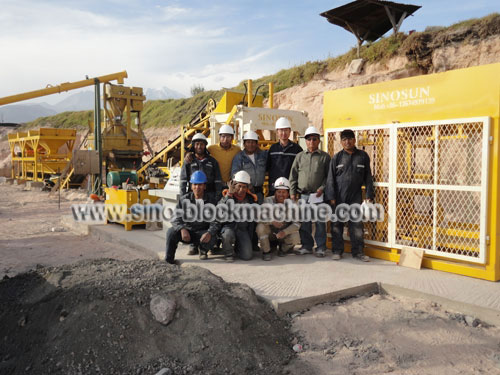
[
  {"x": 225, "y": 151},
  {"x": 202, "y": 234},
  {"x": 349, "y": 171},
  {"x": 201, "y": 161},
  {"x": 253, "y": 161},
  {"x": 285, "y": 233},
  {"x": 282, "y": 153},
  {"x": 308, "y": 178}
]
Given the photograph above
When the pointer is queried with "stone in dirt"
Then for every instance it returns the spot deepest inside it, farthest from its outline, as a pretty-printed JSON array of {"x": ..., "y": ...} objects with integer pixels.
[
  {"x": 162, "y": 308},
  {"x": 108, "y": 326}
]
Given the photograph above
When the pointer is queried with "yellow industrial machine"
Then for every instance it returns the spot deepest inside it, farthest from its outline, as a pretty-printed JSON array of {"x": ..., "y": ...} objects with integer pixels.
[
  {"x": 127, "y": 197},
  {"x": 122, "y": 146},
  {"x": 434, "y": 142},
  {"x": 243, "y": 111},
  {"x": 39, "y": 153},
  {"x": 36, "y": 155}
]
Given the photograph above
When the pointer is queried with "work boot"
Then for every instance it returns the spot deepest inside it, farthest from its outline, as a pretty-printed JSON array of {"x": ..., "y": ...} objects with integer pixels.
[
  {"x": 362, "y": 257},
  {"x": 281, "y": 253},
  {"x": 193, "y": 250},
  {"x": 303, "y": 251},
  {"x": 203, "y": 256},
  {"x": 320, "y": 253},
  {"x": 174, "y": 262},
  {"x": 266, "y": 256},
  {"x": 336, "y": 256}
]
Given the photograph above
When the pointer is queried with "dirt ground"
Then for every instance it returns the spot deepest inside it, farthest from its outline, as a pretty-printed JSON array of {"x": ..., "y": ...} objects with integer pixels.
[
  {"x": 95, "y": 316},
  {"x": 384, "y": 334},
  {"x": 32, "y": 232}
]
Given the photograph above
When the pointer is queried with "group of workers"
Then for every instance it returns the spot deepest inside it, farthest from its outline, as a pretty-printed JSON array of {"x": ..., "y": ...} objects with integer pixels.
[{"x": 221, "y": 173}]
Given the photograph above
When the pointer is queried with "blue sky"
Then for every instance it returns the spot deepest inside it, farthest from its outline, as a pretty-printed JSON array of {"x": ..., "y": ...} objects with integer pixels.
[{"x": 179, "y": 43}]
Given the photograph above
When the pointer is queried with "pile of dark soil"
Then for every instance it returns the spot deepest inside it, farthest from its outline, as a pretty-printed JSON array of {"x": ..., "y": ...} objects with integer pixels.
[{"x": 95, "y": 317}]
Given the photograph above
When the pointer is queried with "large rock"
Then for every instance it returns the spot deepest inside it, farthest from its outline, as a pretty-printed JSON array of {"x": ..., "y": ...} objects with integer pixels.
[{"x": 163, "y": 308}]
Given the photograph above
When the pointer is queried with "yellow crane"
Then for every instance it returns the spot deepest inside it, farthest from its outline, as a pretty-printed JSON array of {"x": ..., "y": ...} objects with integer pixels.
[{"x": 67, "y": 86}]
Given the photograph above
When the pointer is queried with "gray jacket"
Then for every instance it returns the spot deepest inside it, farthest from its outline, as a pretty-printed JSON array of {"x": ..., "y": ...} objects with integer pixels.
[
  {"x": 309, "y": 172},
  {"x": 257, "y": 171}
]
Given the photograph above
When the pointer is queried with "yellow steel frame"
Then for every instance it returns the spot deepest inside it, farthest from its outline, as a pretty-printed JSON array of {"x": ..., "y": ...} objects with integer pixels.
[
  {"x": 463, "y": 93},
  {"x": 39, "y": 152}
]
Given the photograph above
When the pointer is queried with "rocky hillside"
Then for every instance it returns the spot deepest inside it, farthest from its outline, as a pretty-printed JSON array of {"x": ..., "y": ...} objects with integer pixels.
[{"x": 469, "y": 43}]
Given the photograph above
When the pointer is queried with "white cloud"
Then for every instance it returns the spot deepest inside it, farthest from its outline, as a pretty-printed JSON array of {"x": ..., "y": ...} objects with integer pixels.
[{"x": 172, "y": 12}]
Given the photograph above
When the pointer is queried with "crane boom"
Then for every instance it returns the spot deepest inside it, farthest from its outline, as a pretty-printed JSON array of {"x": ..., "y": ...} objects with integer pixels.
[{"x": 119, "y": 77}]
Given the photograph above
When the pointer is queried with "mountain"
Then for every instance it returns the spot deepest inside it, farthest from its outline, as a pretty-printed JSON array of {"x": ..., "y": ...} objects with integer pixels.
[
  {"x": 20, "y": 113},
  {"x": 163, "y": 93},
  {"x": 81, "y": 101}
]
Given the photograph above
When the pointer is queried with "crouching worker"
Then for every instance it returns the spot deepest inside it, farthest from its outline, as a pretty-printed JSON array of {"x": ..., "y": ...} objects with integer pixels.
[
  {"x": 237, "y": 236},
  {"x": 201, "y": 234},
  {"x": 285, "y": 233}
]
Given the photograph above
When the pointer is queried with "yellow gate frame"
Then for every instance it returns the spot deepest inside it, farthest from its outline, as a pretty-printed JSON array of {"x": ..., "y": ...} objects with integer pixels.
[{"x": 463, "y": 93}]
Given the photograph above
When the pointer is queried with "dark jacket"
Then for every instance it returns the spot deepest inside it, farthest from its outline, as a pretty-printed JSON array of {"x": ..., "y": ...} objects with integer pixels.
[
  {"x": 246, "y": 225},
  {"x": 347, "y": 174},
  {"x": 178, "y": 222},
  {"x": 210, "y": 167},
  {"x": 280, "y": 160}
]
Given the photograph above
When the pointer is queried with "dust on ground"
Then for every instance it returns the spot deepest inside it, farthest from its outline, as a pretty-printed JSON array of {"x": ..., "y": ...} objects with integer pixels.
[
  {"x": 383, "y": 334},
  {"x": 32, "y": 232},
  {"x": 95, "y": 316}
]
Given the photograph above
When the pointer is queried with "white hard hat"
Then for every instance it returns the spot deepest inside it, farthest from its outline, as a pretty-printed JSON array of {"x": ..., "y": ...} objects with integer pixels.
[
  {"x": 251, "y": 136},
  {"x": 312, "y": 130},
  {"x": 282, "y": 183},
  {"x": 226, "y": 129},
  {"x": 283, "y": 123},
  {"x": 199, "y": 137},
  {"x": 242, "y": 177}
]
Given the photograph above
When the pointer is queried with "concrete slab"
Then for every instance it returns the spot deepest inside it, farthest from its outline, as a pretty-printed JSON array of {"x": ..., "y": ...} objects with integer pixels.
[{"x": 295, "y": 277}]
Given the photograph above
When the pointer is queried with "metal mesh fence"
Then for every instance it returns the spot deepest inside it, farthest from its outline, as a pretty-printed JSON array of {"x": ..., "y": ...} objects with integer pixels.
[{"x": 433, "y": 172}]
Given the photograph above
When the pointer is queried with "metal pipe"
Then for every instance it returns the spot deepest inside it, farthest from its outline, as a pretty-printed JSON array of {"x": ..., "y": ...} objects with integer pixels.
[
  {"x": 97, "y": 189},
  {"x": 119, "y": 77},
  {"x": 271, "y": 94},
  {"x": 250, "y": 94}
]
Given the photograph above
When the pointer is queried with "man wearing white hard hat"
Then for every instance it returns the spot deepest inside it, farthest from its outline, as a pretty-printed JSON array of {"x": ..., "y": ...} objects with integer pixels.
[
  {"x": 307, "y": 181},
  {"x": 201, "y": 161},
  {"x": 237, "y": 236},
  {"x": 225, "y": 151},
  {"x": 281, "y": 154},
  {"x": 253, "y": 161},
  {"x": 285, "y": 233}
]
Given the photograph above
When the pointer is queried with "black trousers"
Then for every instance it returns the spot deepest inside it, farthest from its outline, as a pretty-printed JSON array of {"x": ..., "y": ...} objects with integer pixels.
[{"x": 174, "y": 237}]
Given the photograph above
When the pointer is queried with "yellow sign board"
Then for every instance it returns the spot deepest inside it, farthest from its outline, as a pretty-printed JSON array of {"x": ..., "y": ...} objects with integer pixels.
[{"x": 469, "y": 92}]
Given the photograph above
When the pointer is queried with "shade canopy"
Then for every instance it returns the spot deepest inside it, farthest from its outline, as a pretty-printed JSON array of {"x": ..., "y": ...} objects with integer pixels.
[{"x": 370, "y": 19}]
